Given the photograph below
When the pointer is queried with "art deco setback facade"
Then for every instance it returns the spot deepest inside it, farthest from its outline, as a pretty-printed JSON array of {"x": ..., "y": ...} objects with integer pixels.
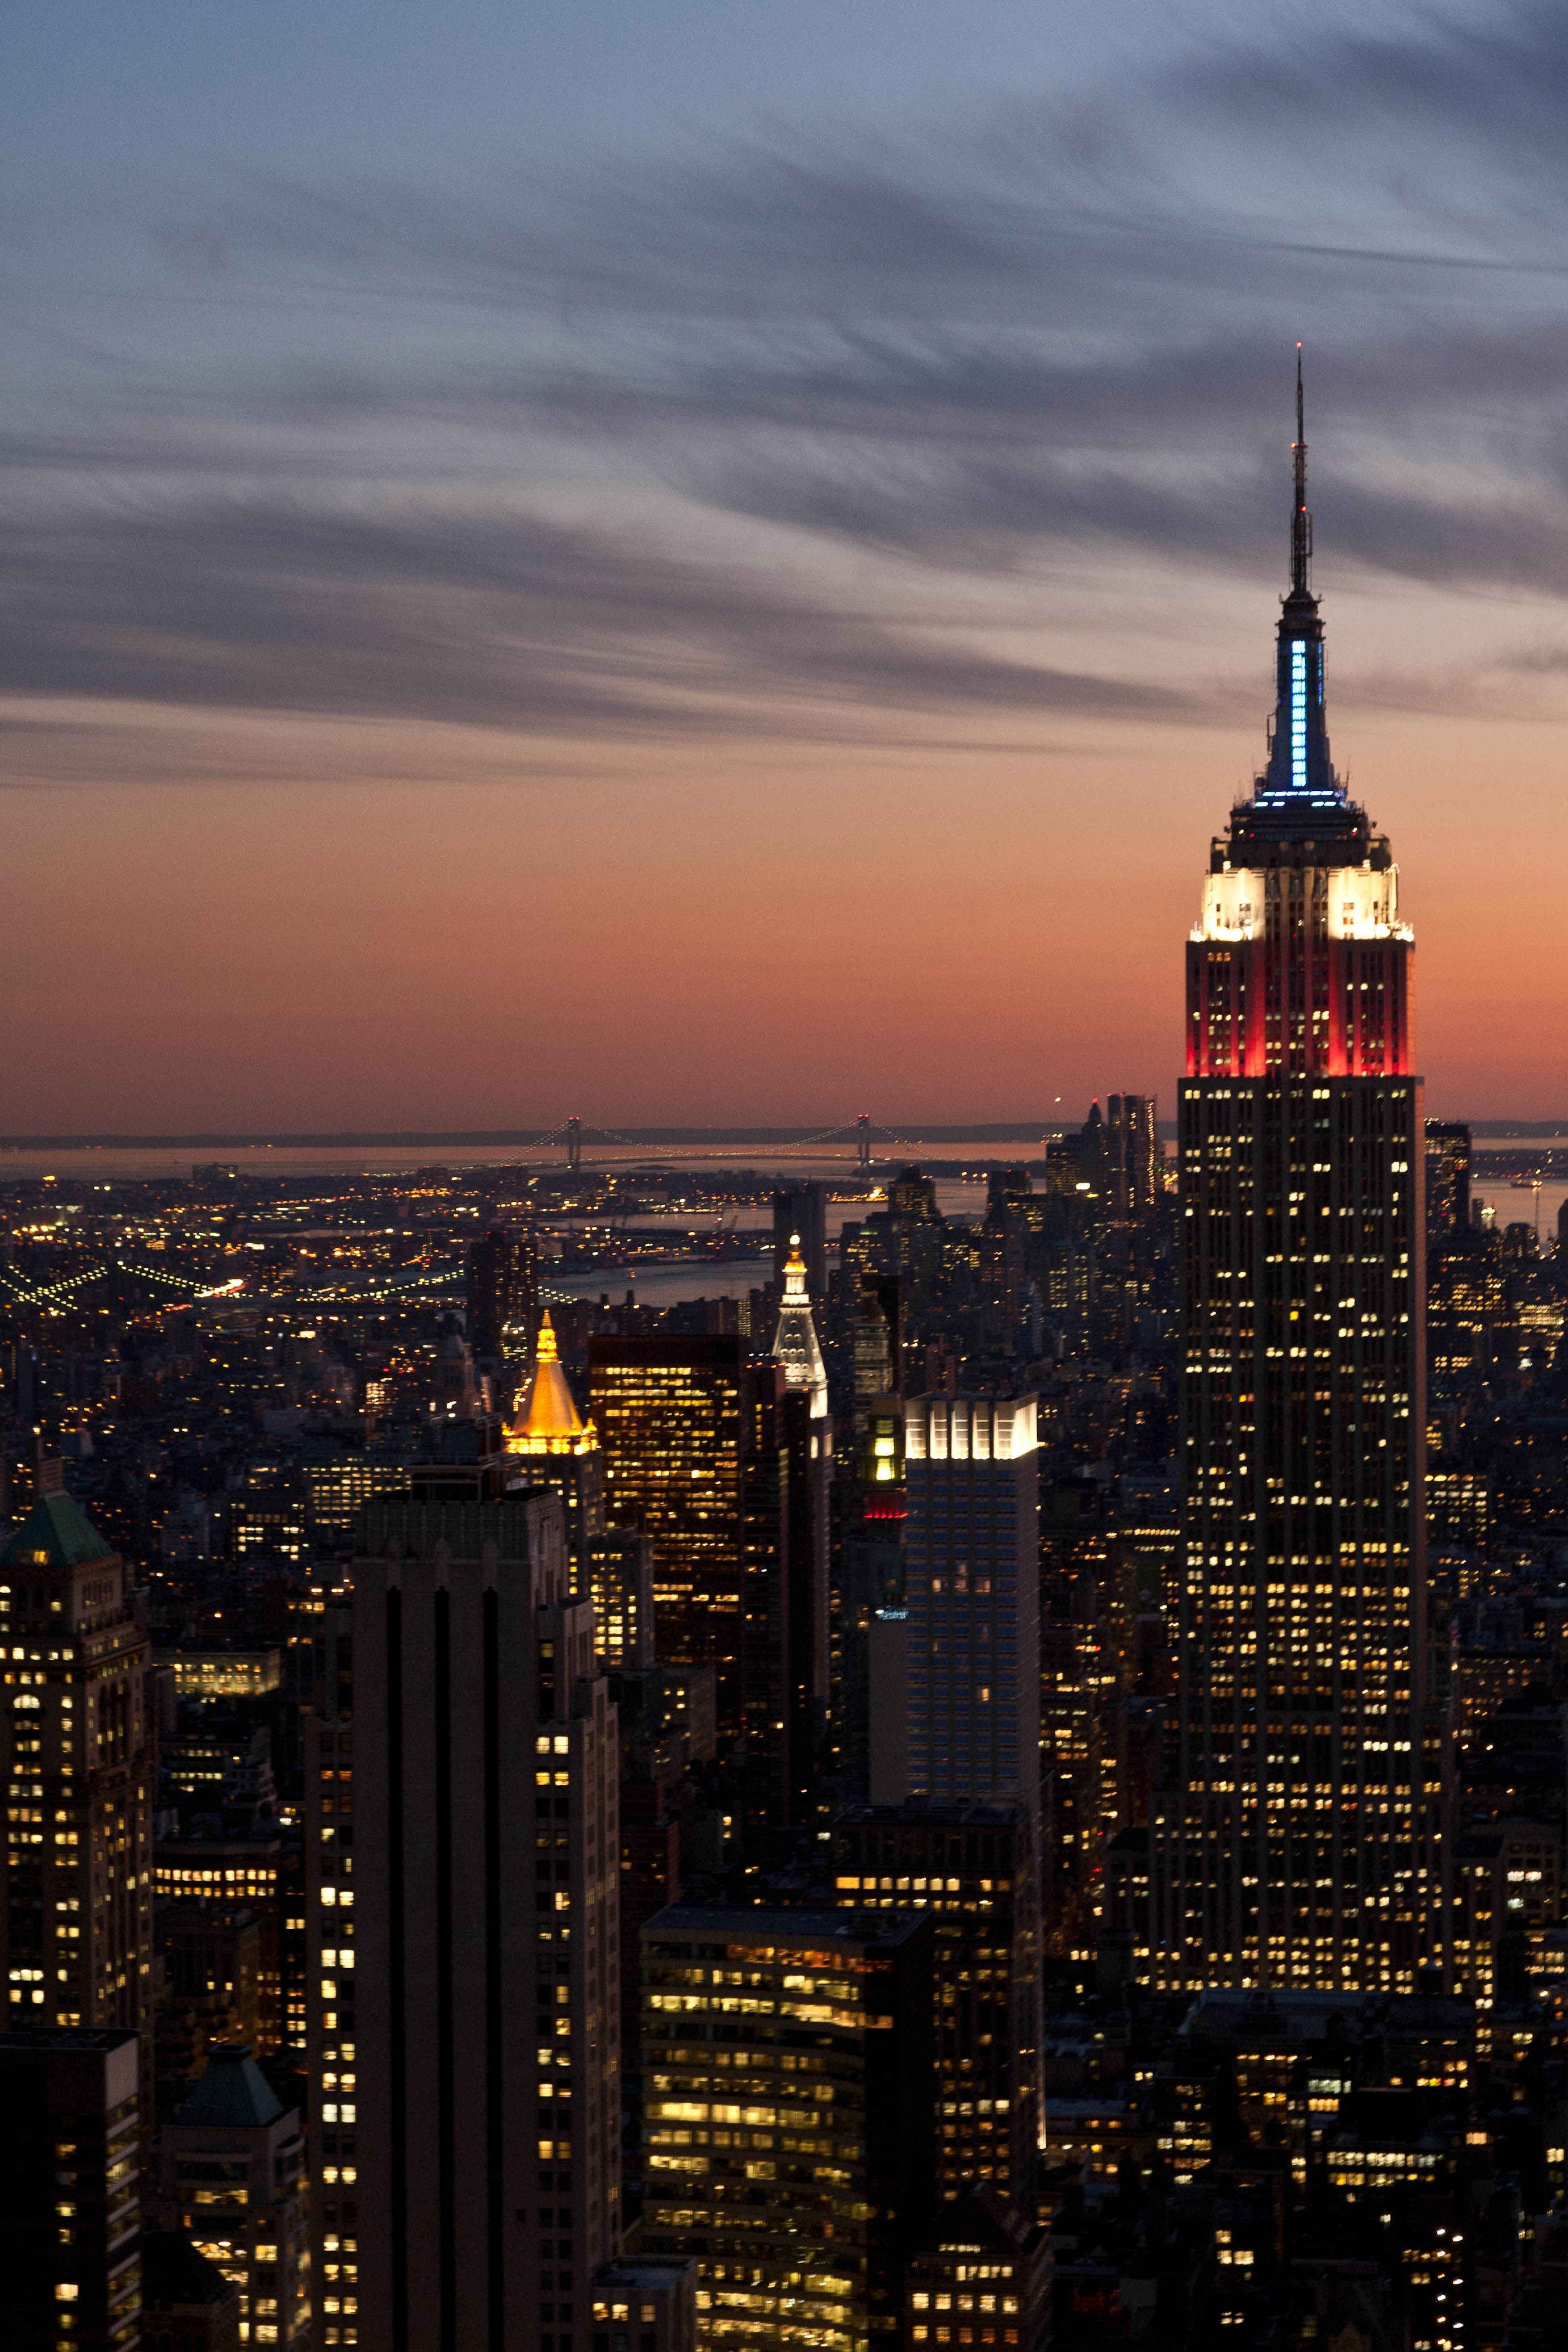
[{"x": 1298, "y": 1843}]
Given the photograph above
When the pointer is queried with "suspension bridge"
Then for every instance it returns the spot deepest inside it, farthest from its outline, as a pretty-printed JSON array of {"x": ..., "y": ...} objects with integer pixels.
[{"x": 573, "y": 1136}]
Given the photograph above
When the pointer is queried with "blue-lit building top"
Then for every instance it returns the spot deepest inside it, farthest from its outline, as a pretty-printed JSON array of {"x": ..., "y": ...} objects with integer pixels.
[{"x": 1298, "y": 794}]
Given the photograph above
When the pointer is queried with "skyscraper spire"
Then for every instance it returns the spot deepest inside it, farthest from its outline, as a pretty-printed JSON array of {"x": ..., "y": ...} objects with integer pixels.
[
  {"x": 1303, "y": 1643},
  {"x": 1299, "y": 786},
  {"x": 1300, "y": 520},
  {"x": 795, "y": 1343}
]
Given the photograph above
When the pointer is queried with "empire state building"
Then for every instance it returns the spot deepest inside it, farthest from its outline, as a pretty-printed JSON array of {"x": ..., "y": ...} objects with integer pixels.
[{"x": 1297, "y": 1844}]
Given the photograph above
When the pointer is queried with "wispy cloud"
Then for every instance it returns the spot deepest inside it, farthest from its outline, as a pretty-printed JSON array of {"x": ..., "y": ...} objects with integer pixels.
[
  {"x": 513, "y": 622},
  {"x": 526, "y": 453}
]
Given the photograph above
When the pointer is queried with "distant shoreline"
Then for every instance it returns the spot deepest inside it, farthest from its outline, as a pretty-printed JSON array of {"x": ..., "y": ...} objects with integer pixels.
[
  {"x": 535, "y": 1139},
  {"x": 595, "y": 1136}
]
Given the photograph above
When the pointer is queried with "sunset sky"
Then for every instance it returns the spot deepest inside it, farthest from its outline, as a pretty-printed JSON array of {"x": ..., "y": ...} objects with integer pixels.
[{"x": 706, "y": 559}]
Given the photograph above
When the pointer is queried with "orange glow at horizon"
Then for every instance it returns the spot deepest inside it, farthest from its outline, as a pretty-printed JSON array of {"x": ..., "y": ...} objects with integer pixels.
[{"x": 331, "y": 926}]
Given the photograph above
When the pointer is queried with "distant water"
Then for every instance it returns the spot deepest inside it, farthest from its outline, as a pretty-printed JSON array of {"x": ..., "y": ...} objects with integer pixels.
[
  {"x": 659, "y": 1286},
  {"x": 108, "y": 1164},
  {"x": 1517, "y": 1207},
  {"x": 956, "y": 1197}
]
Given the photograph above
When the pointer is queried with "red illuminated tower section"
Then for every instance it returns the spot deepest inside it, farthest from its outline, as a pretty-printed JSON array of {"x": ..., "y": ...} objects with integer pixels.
[
  {"x": 1297, "y": 965},
  {"x": 1297, "y": 1841}
]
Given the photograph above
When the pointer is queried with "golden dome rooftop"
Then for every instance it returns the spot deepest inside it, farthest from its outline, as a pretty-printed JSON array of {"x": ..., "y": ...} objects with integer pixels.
[{"x": 546, "y": 1419}]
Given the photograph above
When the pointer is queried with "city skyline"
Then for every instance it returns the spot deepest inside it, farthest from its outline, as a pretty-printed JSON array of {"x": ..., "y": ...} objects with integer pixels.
[
  {"x": 645, "y": 1704},
  {"x": 749, "y": 535}
]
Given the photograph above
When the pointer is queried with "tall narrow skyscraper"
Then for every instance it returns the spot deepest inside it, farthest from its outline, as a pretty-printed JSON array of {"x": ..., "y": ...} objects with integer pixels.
[
  {"x": 672, "y": 1415},
  {"x": 808, "y": 1439},
  {"x": 76, "y": 1921},
  {"x": 1297, "y": 1843},
  {"x": 972, "y": 1590},
  {"x": 486, "y": 1869},
  {"x": 1135, "y": 1154}
]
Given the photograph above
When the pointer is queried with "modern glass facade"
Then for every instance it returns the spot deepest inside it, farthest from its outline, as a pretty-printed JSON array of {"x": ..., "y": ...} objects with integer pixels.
[{"x": 788, "y": 2126}]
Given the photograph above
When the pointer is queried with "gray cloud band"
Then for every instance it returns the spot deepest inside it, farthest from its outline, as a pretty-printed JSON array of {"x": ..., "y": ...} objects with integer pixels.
[{"x": 1053, "y": 331}]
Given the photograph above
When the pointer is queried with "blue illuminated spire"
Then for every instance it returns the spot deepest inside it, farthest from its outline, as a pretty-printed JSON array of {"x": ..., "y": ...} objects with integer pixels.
[
  {"x": 1300, "y": 520},
  {"x": 1299, "y": 786}
]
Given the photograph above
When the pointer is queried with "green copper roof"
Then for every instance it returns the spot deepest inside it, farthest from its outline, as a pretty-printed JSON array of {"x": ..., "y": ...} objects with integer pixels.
[
  {"x": 61, "y": 1528},
  {"x": 232, "y": 2091}
]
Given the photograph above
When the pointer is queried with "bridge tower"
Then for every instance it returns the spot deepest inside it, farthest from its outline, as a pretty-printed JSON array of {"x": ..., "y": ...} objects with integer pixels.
[
  {"x": 863, "y": 1139},
  {"x": 574, "y": 1144}
]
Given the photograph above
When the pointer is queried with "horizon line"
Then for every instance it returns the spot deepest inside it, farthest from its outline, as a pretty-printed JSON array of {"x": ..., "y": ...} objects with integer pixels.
[{"x": 535, "y": 1139}]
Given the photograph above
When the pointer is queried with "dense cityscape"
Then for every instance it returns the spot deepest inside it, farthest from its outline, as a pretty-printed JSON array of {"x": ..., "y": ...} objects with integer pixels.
[{"x": 1002, "y": 1783}]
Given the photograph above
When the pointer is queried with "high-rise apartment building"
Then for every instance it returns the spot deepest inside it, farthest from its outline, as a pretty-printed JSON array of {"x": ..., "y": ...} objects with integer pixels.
[
  {"x": 70, "y": 2188},
  {"x": 868, "y": 1626},
  {"x": 645, "y": 2307},
  {"x": 766, "y": 1709},
  {"x": 502, "y": 1292},
  {"x": 331, "y": 2049},
  {"x": 232, "y": 1880},
  {"x": 208, "y": 1969},
  {"x": 788, "y": 2136},
  {"x": 486, "y": 1864},
  {"x": 231, "y": 2164},
  {"x": 1297, "y": 1841},
  {"x": 975, "y": 1867},
  {"x": 1448, "y": 1158},
  {"x": 983, "y": 2280},
  {"x": 321, "y": 1647},
  {"x": 971, "y": 1594},
  {"x": 671, "y": 1416},
  {"x": 620, "y": 1585},
  {"x": 338, "y": 1485},
  {"x": 76, "y": 1917},
  {"x": 1135, "y": 1154}
]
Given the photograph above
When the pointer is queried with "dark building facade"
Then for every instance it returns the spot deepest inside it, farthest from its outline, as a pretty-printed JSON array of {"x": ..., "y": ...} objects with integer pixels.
[
  {"x": 1295, "y": 1842},
  {"x": 70, "y": 2134},
  {"x": 486, "y": 1874},
  {"x": 187, "y": 2304},
  {"x": 1447, "y": 1180},
  {"x": 984, "y": 2281},
  {"x": 502, "y": 1293},
  {"x": 975, "y": 1866},
  {"x": 1135, "y": 1154},
  {"x": 784, "y": 1597},
  {"x": 645, "y": 2307}
]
